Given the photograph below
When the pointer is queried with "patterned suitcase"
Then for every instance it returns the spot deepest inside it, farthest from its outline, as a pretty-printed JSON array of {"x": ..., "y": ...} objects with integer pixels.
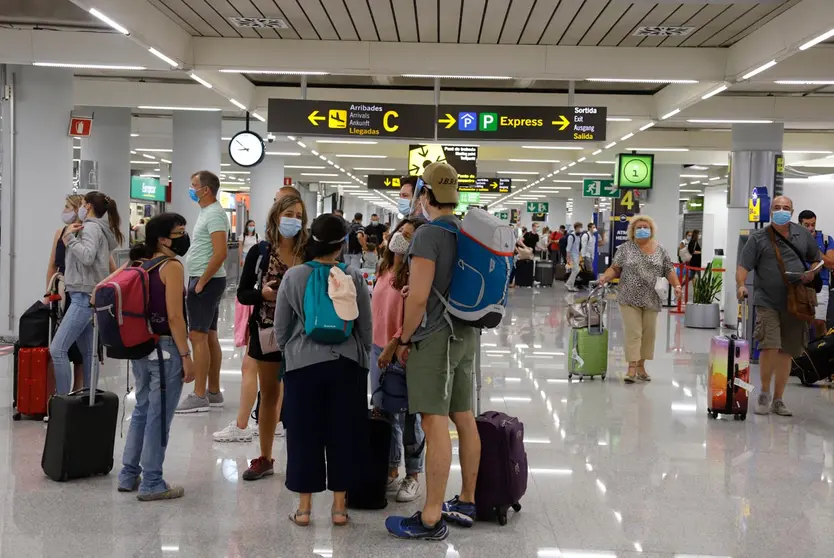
[{"x": 729, "y": 377}]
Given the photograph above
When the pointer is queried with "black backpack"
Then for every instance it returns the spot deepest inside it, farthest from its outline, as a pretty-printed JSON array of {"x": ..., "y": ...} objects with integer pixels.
[
  {"x": 563, "y": 242},
  {"x": 353, "y": 241}
]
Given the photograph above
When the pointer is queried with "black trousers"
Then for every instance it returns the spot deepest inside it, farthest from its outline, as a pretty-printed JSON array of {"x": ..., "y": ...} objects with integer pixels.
[{"x": 325, "y": 414}]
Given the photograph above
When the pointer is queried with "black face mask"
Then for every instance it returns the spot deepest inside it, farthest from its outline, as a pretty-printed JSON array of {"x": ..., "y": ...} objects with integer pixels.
[{"x": 180, "y": 246}]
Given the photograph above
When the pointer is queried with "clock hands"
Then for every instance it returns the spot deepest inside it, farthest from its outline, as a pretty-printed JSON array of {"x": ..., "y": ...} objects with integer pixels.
[{"x": 241, "y": 145}]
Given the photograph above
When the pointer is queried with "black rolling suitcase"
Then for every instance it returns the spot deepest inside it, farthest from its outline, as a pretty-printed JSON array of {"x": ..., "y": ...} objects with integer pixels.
[
  {"x": 816, "y": 362},
  {"x": 370, "y": 478},
  {"x": 524, "y": 273},
  {"x": 82, "y": 431},
  {"x": 544, "y": 273},
  {"x": 560, "y": 272}
]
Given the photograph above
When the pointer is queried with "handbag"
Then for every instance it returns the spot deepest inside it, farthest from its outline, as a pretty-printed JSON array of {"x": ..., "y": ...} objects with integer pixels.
[
  {"x": 394, "y": 389},
  {"x": 802, "y": 300},
  {"x": 817, "y": 283},
  {"x": 268, "y": 340}
]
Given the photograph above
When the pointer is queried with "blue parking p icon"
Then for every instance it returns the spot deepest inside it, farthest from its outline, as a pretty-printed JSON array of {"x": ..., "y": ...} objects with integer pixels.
[{"x": 468, "y": 121}]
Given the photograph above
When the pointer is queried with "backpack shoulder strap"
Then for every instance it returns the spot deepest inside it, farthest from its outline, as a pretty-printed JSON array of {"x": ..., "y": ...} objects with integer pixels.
[
  {"x": 263, "y": 260},
  {"x": 150, "y": 265}
]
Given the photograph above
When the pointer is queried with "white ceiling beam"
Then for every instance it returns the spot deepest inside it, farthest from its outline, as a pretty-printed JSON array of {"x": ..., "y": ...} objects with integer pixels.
[
  {"x": 148, "y": 27},
  {"x": 781, "y": 37},
  {"x": 813, "y": 64},
  {"x": 679, "y": 96},
  {"x": 231, "y": 86},
  {"x": 816, "y": 111},
  {"x": 518, "y": 61}
]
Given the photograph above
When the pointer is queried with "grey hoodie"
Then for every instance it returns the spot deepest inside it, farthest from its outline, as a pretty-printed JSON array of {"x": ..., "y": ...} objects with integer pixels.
[{"x": 88, "y": 256}]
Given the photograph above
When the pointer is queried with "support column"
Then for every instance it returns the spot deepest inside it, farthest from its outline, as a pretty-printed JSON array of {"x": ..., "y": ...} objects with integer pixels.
[
  {"x": 197, "y": 147},
  {"x": 109, "y": 147},
  {"x": 556, "y": 215},
  {"x": 583, "y": 210},
  {"x": 267, "y": 179},
  {"x": 36, "y": 176},
  {"x": 663, "y": 206}
]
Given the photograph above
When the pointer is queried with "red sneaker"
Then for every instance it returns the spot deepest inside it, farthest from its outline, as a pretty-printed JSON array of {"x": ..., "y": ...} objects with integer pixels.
[{"x": 259, "y": 468}]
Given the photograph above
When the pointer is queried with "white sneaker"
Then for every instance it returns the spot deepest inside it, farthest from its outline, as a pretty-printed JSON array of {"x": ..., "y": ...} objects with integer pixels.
[
  {"x": 233, "y": 434},
  {"x": 393, "y": 485},
  {"x": 279, "y": 430},
  {"x": 409, "y": 489}
]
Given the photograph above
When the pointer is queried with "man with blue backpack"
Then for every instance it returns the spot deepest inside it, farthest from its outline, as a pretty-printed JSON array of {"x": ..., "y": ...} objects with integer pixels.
[{"x": 439, "y": 353}]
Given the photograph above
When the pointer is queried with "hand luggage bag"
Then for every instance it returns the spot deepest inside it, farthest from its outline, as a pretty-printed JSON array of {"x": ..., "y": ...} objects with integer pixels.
[
  {"x": 544, "y": 273},
  {"x": 560, "y": 272},
  {"x": 82, "y": 431},
  {"x": 524, "y": 273},
  {"x": 729, "y": 377},
  {"x": 588, "y": 344},
  {"x": 816, "y": 362},
  {"x": 502, "y": 476},
  {"x": 33, "y": 381},
  {"x": 370, "y": 482}
]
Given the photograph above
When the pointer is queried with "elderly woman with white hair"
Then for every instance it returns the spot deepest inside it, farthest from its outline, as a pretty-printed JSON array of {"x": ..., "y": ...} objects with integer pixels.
[{"x": 639, "y": 263}]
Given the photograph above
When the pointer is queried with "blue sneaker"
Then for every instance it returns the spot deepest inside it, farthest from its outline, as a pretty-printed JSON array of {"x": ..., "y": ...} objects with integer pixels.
[
  {"x": 457, "y": 511},
  {"x": 413, "y": 528}
]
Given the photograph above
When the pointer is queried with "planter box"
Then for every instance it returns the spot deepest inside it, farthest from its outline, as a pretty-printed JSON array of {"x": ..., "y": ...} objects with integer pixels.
[{"x": 702, "y": 316}]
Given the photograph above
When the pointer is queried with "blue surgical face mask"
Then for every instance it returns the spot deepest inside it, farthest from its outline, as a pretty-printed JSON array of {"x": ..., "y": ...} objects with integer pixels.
[
  {"x": 643, "y": 233},
  {"x": 404, "y": 206},
  {"x": 289, "y": 226},
  {"x": 251, "y": 228},
  {"x": 192, "y": 193},
  {"x": 781, "y": 216}
]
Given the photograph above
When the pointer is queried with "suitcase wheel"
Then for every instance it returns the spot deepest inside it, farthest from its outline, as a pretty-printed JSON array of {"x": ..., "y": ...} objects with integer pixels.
[
  {"x": 502, "y": 515},
  {"x": 603, "y": 376},
  {"x": 516, "y": 507},
  {"x": 713, "y": 415},
  {"x": 17, "y": 416},
  {"x": 570, "y": 375},
  {"x": 743, "y": 416}
]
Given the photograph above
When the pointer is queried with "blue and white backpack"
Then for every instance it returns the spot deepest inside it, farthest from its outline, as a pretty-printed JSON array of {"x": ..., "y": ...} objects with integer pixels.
[
  {"x": 481, "y": 276},
  {"x": 321, "y": 323}
]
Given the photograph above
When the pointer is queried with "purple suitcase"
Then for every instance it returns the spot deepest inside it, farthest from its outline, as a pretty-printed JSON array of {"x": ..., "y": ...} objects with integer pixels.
[{"x": 502, "y": 476}]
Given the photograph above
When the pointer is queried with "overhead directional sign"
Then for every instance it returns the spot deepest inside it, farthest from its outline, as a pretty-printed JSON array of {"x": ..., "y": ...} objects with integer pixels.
[
  {"x": 384, "y": 182},
  {"x": 334, "y": 118},
  {"x": 635, "y": 170},
  {"x": 537, "y": 207},
  {"x": 464, "y": 158},
  {"x": 521, "y": 123},
  {"x": 593, "y": 188},
  {"x": 489, "y": 185}
]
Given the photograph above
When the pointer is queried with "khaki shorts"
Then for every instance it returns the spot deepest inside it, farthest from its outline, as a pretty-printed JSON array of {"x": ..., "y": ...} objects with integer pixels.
[
  {"x": 780, "y": 330},
  {"x": 438, "y": 385}
]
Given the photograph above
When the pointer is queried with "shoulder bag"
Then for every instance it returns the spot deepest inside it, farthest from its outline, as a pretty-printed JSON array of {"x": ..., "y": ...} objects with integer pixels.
[
  {"x": 802, "y": 300},
  {"x": 817, "y": 282}
]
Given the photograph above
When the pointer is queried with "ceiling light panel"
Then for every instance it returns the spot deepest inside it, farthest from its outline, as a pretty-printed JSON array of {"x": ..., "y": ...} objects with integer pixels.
[
  {"x": 196, "y": 109},
  {"x": 629, "y": 80},
  {"x": 357, "y": 156},
  {"x": 440, "y": 76},
  {"x": 759, "y": 70},
  {"x": 120, "y": 28},
  {"x": 89, "y": 66},
  {"x": 274, "y": 72},
  {"x": 168, "y": 60}
]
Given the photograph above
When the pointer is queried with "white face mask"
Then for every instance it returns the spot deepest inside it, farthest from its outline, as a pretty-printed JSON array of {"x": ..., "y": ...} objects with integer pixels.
[{"x": 398, "y": 243}]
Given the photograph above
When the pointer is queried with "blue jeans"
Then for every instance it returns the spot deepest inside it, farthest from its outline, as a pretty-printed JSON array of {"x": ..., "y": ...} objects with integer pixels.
[
  {"x": 406, "y": 430},
  {"x": 144, "y": 452},
  {"x": 76, "y": 327}
]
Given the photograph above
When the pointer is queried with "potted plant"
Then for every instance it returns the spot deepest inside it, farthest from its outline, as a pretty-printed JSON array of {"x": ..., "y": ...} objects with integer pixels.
[{"x": 704, "y": 312}]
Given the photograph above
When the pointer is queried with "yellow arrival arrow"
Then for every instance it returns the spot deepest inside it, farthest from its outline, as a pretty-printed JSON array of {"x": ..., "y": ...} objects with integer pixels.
[
  {"x": 449, "y": 121},
  {"x": 562, "y": 122},
  {"x": 387, "y": 182},
  {"x": 314, "y": 118}
]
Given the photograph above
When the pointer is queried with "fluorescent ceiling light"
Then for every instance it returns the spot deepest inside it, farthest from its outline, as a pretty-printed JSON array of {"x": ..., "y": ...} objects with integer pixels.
[
  {"x": 646, "y": 126},
  {"x": 109, "y": 21},
  {"x": 88, "y": 66},
  {"x": 727, "y": 121},
  {"x": 597, "y": 152},
  {"x": 818, "y": 40},
  {"x": 304, "y": 167},
  {"x": 627, "y": 136},
  {"x": 698, "y": 167},
  {"x": 630, "y": 80},
  {"x": 432, "y": 76},
  {"x": 259, "y": 117},
  {"x": 566, "y": 181},
  {"x": 551, "y": 188},
  {"x": 165, "y": 161},
  {"x": 589, "y": 174},
  {"x": 170, "y": 61},
  {"x": 143, "y": 162},
  {"x": 715, "y": 178},
  {"x": 533, "y": 160},
  {"x": 517, "y": 172},
  {"x": 358, "y": 142},
  {"x": 670, "y": 149},
  {"x": 694, "y": 176},
  {"x": 284, "y": 153},
  {"x": 148, "y": 156},
  {"x": 804, "y": 82},
  {"x": 807, "y": 152},
  {"x": 571, "y": 164},
  {"x": 152, "y": 150},
  {"x": 610, "y": 145},
  {"x": 558, "y": 147},
  {"x": 759, "y": 70},
  {"x": 617, "y": 119},
  {"x": 605, "y": 162},
  {"x": 197, "y": 109},
  {"x": 670, "y": 114},
  {"x": 238, "y": 172},
  {"x": 581, "y": 159},
  {"x": 373, "y": 169},
  {"x": 691, "y": 191},
  {"x": 275, "y": 72},
  {"x": 714, "y": 92},
  {"x": 200, "y": 80},
  {"x": 238, "y": 104},
  {"x": 319, "y": 174},
  {"x": 352, "y": 156}
]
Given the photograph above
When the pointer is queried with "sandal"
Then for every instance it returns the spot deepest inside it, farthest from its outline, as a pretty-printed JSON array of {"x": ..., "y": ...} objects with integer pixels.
[
  {"x": 630, "y": 378},
  {"x": 343, "y": 514},
  {"x": 642, "y": 374},
  {"x": 295, "y": 518}
]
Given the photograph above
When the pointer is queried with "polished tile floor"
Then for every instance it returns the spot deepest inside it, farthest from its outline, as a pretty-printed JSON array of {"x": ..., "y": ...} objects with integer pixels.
[{"x": 615, "y": 470}]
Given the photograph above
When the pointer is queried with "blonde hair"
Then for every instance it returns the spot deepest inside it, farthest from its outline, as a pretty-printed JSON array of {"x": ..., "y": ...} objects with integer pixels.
[
  {"x": 75, "y": 200},
  {"x": 273, "y": 221},
  {"x": 641, "y": 219}
]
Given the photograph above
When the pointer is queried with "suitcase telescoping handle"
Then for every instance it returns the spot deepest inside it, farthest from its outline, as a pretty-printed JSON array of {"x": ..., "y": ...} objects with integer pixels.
[
  {"x": 476, "y": 392},
  {"x": 744, "y": 320},
  {"x": 97, "y": 360}
]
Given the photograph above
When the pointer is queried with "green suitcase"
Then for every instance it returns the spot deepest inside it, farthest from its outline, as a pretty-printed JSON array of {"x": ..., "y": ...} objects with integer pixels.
[{"x": 588, "y": 352}]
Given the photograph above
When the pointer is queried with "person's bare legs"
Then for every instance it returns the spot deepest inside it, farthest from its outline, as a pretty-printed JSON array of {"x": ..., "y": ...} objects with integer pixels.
[
  {"x": 470, "y": 452},
  {"x": 781, "y": 368},
  {"x": 305, "y": 505},
  {"x": 268, "y": 415},
  {"x": 438, "y": 463},
  {"x": 768, "y": 360},
  {"x": 202, "y": 360},
  {"x": 248, "y": 391},
  {"x": 280, "y": 401},
  {"x": 338, "y": 513},
  {"x": 215, "y": 360}
]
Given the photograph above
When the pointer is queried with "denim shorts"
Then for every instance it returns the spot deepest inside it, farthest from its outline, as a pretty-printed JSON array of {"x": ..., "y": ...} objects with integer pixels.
[{"x": 204, "y": 308}]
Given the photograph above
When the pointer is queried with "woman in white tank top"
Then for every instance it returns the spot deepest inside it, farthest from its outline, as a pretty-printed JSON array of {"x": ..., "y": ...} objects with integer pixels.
[{"x": 250, "y": 239}]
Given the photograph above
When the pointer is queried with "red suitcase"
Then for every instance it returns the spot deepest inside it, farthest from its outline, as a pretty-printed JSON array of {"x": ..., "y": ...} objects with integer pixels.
[{"x": 35, "y": 382}]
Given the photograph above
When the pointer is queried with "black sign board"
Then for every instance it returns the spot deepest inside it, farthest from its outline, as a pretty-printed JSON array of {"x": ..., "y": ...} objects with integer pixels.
[
  {"x": 334, "y": 118},
  {"x": 489, "y": 185},
  {"x": 384, "y": 182},
  {"x": 514, "y": 216},
  {"x": 464, "y": 158},
  {"x": 464, "y": 122},
  {"x": 539, "y": 217}
]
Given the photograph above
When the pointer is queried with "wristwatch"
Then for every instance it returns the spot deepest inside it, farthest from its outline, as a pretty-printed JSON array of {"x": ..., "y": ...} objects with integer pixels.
[{"x": 402, "y": 343}]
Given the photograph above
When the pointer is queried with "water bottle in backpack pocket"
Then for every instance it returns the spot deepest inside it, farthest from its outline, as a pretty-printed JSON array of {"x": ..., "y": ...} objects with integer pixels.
[{"x": 321, "y": 322}]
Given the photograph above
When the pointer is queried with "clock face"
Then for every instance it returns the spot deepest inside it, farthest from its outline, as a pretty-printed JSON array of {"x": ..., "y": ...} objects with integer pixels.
[{"x": 246, "y": 149}]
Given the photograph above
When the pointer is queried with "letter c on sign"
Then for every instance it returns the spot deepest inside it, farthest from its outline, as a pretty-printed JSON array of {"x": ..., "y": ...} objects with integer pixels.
[{"x": 390, "y": 127}]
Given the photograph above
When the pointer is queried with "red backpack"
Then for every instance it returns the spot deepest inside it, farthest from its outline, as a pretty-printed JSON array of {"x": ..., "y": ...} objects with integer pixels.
[{"x": 122, "y": 312}]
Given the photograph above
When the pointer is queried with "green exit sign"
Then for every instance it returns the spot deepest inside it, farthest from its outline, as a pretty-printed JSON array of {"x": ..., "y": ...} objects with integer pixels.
[
  {"x": 537, "y": 207},
  {"x": 594, "y": 188}
]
